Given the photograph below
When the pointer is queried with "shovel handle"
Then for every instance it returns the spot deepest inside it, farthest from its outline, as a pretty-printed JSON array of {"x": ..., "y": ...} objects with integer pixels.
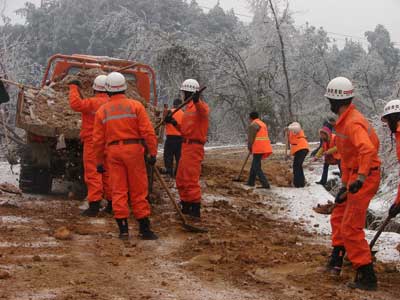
[
  {"x": 244, "y": 165},
  {"x": 179, "y": 107},
  {"x": 170, "y": 196},
  {"x": 379, "y": 232}
]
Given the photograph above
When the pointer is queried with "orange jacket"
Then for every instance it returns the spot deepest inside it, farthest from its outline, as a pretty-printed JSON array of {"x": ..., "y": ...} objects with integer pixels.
[
  {"x": 171, "y": 129},
  {"x": 262, "y": 143},
  {"x": 195, "y": 121},
  {"x": 122, "y": 119},
  {"x": 357, "y": 143},
  {"x": 297, "y": 141},
  {"x": 329, "y": 145},
  {"x": 87, "y": 107}
]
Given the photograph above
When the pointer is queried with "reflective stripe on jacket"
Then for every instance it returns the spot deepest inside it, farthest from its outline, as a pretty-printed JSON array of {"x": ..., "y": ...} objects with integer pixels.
[{"x": 262, "y": 143}]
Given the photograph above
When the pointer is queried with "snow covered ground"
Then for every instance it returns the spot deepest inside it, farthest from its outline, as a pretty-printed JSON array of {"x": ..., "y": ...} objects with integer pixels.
[{"x": 300, "y": 202}]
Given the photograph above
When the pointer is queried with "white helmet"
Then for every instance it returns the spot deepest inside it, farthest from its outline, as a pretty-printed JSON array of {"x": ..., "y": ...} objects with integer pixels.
[
  {"x": 340, "y": 88},
  {"x": 391, "y": 107},
  {"x": 116, "y": 82},
  {"x": 295, "y": 127},
  {"x": 99, "y": 84},
  {"x": 190, "y": 85}
]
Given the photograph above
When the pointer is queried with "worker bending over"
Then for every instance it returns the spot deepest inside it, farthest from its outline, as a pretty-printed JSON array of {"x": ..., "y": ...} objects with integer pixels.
[
  {"x": 194, "y": 130},
  {"x": 358, "y": 146},
  {"x": 391, "y": 116},
  {"x": 259, "y": 145},
  {"x": 98, "y": 185},
  {"x": 299, "y": 149},
  {"x": 123, "y": 128},
  {"x": 173, "y": 143},
  {"x": 329, "y": 151}
]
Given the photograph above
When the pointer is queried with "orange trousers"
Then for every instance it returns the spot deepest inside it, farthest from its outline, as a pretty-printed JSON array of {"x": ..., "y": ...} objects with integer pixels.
[
  {"x": 348, "y": 221},
  {"x": 98, "y": 185},
  {"x": 189, "y": 170},
  {"x": 129, "y": 175}
]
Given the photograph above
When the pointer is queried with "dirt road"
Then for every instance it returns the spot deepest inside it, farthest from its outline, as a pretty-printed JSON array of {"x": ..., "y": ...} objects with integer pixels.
[{"x": 249, "y": 253}]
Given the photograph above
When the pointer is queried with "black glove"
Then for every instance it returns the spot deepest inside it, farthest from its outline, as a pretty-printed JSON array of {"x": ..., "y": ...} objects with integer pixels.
[
  {"x": 196, "y": 97},
  {"x": 75, "y": 82},
  {"x": 394, "y": 210},
  {"x": 100, "y": 169},
  {"x": 151, "y": 160},
  {"x": 355, "y": 186},
  {"x": 170, "y": 119},
  {"x": 340, "y": 197},
  {"x": 314, "y": 152}
]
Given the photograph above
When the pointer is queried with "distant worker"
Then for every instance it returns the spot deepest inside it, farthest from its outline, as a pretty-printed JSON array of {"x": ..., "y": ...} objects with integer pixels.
[
  {"x": 391, "y": 116},
  {"x": 98, "y": 185},
  {"x": 330, "y": 123},
  {"x": 358, "y": 146},
  {"x": 259, "y": 145},
  {"x": 194, "y": 130},
  {"x": 173, "y": 143},
  {"x": 299, "y": 149},
  {"x": 329, "y": 151},
  {"x": 123, "y": 128}
]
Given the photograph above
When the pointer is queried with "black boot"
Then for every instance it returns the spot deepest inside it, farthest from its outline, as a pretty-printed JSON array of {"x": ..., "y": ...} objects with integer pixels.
[
  {"x": 123, "y": 228},
  {"x": 365, "y": 279},
  {"x": 145, "y": 231},
  {"x": 195, "y": 210},
  {"x": 108, "y": 208},
  {"x": 186, "y": 207},
  {"x": 335, "y": 262},
  {"x": 93, "y": 210}
]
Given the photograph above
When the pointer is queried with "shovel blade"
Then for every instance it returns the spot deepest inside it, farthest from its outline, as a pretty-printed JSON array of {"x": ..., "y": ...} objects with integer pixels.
[{"x": 194, "y": 229}]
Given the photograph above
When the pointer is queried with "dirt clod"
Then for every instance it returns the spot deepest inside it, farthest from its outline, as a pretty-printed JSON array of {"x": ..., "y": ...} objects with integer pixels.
[
  {"x": 4, "y": 274},
  {"x": 63, "y": 233}
]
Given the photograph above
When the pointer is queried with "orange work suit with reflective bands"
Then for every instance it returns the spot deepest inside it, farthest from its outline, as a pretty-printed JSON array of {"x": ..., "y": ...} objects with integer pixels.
[
  {"x": 194, "y": 130},
  {"x": 123, "y": 127},
  {"x": 358, "y": 146},
  {"x": 262, "y": 143},
  {"x": 98, "y": 185}
]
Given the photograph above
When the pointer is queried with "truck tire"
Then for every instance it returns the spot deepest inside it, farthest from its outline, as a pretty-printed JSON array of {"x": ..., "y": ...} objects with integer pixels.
[{"x": 33, "y": 179}]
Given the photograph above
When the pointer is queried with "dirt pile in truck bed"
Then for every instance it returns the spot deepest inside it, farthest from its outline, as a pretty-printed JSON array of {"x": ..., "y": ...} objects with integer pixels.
[{"x": 47, "y": 112}]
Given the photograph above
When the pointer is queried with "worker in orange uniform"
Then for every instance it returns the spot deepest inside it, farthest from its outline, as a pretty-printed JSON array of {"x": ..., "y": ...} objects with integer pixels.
[
  {"x": 329, "y": 151},
  {"x": 358, "y": 146},
  {"x": 299, "y": 149},
  {"x": 123, "y": 127},
  {"x": 259, "y": 145},
  {"x": 391, "y": 116},
  {"x": 194, "y": 130},
  {"x": 97, "y": 184},
  {"x": 173, "y": 143}
]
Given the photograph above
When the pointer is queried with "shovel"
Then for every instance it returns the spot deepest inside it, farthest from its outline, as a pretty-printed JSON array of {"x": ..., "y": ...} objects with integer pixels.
[
  {"x": 237, "y": 179},
  {"x": 185, "y": 223},
  {"x": 378, "y": 233},
  {"x": 187, "y": 101}
]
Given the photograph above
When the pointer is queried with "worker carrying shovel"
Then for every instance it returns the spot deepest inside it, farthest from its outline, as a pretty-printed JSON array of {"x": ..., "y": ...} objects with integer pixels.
[
  {"x": 259, "y": 145},
  {"x": 358, "y": 146},
  {"x": 194, "y": 130},
  {"x": 391, "y": 116}
]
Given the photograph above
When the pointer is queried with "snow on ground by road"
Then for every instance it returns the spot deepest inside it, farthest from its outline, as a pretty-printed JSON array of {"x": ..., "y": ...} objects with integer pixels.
[
  {"x": 300, "y": 201},
  {"x": 7, "y": 174}
]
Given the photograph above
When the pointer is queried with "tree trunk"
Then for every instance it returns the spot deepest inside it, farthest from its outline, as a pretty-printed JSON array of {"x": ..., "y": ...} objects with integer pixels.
[{"x": 284, "y": 66}]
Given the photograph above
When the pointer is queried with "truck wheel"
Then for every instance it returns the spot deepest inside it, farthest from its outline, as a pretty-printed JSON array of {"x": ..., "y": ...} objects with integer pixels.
[{"x": 34, "y": 179}]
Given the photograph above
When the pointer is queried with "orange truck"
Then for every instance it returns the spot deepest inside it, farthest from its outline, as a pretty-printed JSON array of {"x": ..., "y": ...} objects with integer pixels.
[{"x": 41, "y": 159}]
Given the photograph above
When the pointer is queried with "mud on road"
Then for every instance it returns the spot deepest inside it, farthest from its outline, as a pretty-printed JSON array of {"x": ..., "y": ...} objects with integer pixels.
[{"x": 249, "y": 253}]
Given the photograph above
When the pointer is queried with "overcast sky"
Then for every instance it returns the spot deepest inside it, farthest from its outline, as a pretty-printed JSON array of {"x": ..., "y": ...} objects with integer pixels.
[{"x": 349, "y": 17}]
